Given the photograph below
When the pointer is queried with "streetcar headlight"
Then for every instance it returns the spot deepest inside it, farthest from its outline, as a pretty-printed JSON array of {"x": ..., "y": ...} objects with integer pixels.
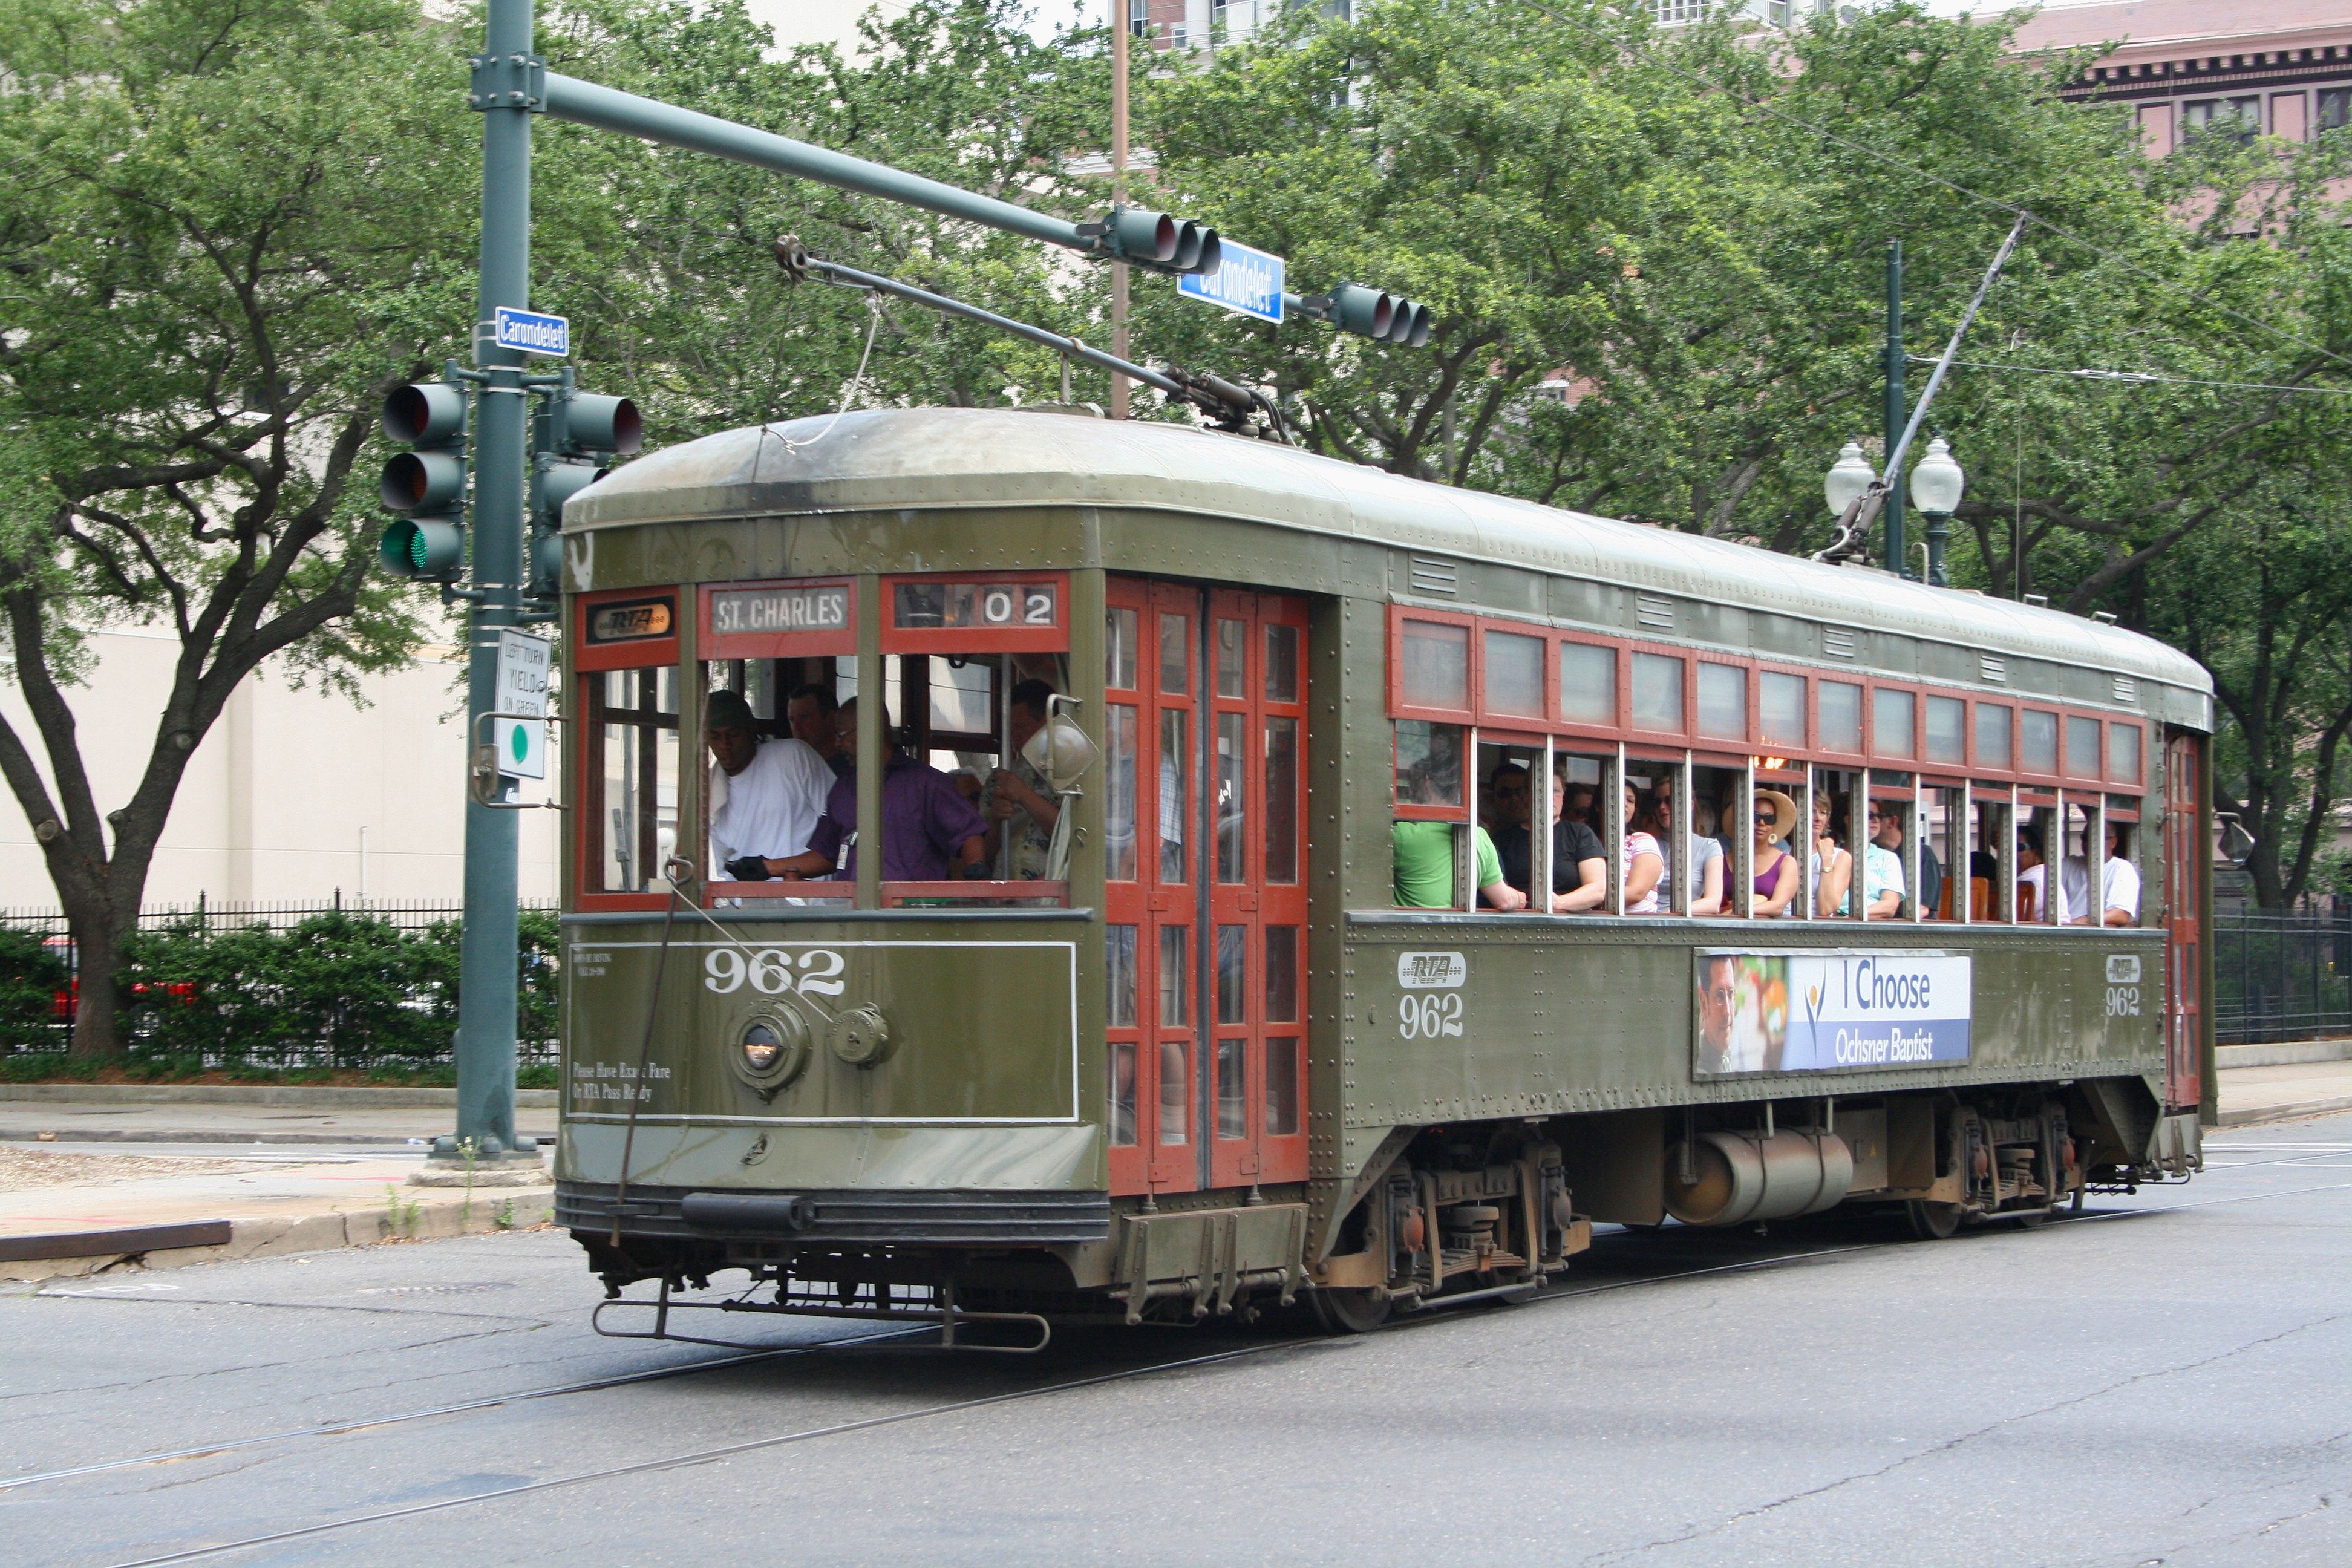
[
  {"x": 770, "y": 1051},
  {"x": 761, "y": 1046}
]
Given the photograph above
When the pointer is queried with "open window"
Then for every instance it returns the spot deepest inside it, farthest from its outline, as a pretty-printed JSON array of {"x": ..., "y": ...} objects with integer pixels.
[
  {"x": 624, "y": 669},
  {"x": 975, "y": 683}
]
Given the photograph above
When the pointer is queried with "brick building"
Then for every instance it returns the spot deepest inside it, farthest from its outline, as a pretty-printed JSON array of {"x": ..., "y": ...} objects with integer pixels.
[{"x": 2276, "y": 67}]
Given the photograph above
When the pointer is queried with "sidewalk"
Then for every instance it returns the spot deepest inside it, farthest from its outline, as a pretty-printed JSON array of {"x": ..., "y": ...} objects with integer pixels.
[
  {"x": 2253, "y": 1094},
  {"x": 67, "y": 1212},
  {"x": 167, "y": 1114}
]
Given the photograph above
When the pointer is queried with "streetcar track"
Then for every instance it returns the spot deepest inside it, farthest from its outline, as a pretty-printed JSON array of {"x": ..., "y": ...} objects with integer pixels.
[
  {"x": 371, "y": 1423},
  {"x": 755, "y": 1445},
  {"x": 726, "y": 1452}
]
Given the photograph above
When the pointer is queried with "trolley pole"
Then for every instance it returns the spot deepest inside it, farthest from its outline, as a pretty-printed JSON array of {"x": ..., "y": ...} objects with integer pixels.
[
  {"x": 1891, "y": 509},
  {"x": 507, "y": 89}
]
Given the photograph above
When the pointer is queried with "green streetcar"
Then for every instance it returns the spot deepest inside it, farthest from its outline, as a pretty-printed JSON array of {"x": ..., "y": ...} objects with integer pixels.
[{"x": 1197, "y": 1057}]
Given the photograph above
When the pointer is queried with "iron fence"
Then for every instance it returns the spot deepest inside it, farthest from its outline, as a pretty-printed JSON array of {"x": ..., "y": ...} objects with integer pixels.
[
  {"x": 2282, "y": 975},
  {"x": 277, "y": 915},
  {"x": 217, "y": 984}
]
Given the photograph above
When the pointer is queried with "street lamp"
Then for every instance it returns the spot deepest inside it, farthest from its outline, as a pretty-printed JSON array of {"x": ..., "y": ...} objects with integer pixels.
[
  {"x": 1935, "y": 486},
  {"x": 1847, "y": 478}
]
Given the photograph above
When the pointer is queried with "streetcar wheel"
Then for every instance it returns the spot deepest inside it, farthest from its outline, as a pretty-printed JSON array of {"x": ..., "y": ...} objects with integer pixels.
[
  {"x": 1349, "y": 1312},
  {"x": 2034, "y": 1220},
  {"x": 1933, "y": 1222}
]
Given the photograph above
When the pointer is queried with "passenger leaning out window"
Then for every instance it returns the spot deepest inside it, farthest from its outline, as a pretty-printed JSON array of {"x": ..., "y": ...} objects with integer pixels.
[
  {"x": 1639, "y": 860},
  {"x": 1423, "y": 851}
]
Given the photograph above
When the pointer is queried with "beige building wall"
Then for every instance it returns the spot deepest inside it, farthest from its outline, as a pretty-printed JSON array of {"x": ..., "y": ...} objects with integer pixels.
[{"x": 294, "y": 795}]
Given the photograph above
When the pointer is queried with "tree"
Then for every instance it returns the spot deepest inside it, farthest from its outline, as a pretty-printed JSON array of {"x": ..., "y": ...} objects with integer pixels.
[
  {"x": 664, "y": 257},
  {"x": 232, "y": 227},
  {"x": 225, "y": 228}
]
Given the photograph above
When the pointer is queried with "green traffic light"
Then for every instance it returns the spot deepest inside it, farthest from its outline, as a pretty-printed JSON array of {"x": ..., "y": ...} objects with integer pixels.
[{"x": 428, "y": 548}]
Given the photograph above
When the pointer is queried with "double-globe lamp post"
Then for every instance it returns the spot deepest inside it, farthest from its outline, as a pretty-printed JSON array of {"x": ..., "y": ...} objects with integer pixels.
[{"x": 1935, "y": 486}]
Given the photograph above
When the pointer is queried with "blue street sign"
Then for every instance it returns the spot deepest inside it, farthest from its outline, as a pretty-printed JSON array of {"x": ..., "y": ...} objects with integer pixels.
[
  {"x": 530, "y": 332},
  {"x": 1248, "y": 281}
]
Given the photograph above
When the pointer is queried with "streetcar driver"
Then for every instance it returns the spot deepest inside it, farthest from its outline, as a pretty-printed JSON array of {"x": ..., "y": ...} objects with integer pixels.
[
  {"x": 930, "y": 832},
  {"x": 810, "y": 711},
  {"x": 765, "y": 794}
]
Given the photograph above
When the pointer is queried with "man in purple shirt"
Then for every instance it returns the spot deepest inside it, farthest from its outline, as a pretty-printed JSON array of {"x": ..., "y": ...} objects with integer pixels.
[{"x": 930, "y": 832}]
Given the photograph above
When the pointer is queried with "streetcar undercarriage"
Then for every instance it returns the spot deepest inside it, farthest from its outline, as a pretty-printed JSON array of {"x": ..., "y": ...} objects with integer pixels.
[{"x": 1440, "y": 1217}]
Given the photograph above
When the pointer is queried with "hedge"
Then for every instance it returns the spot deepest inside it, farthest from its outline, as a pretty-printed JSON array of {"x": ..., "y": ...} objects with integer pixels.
[{"x": 336, "y": 990}]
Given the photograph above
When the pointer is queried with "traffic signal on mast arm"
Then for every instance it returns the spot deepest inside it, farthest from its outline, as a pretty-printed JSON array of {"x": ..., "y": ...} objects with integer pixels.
[
  {"x": 1370, "y": 313},
  {"x": 573, "y": 440},
  {"x": 1143, "y": 238},
  {"x": 426, "y": 485}
]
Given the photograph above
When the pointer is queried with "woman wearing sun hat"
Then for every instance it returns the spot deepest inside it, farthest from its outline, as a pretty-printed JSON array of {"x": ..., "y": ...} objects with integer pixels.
[{"x": 1776, "y": 877}]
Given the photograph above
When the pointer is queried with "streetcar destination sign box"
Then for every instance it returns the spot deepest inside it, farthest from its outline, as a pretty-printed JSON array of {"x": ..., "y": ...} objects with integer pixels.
[{"x": 1809, "y": 1011}]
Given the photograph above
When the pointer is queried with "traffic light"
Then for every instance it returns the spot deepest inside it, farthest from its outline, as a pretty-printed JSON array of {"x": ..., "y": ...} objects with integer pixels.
[
  {"x": 1154, "y": 240},
  {"x": 1369, "y": 314},
  {"x": 573, "y": 439},
  {"x": 427, "y": 483}
]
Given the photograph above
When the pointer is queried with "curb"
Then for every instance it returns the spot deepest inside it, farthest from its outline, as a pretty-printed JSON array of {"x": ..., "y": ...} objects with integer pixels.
[
  {"x": 430, "y": 1216},
  {"x": 324, "y": 1097},
  {"x": 2254, "y": 1115},
  {"x": 2282, "y": 1053}
]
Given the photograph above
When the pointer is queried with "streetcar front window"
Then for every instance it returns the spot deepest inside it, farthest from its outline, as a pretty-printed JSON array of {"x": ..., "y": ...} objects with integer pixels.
[{"x": 633, "y": 778}]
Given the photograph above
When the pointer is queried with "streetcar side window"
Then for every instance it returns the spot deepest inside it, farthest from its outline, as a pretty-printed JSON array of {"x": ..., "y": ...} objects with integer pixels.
[{"x": 1431, "y": 812}]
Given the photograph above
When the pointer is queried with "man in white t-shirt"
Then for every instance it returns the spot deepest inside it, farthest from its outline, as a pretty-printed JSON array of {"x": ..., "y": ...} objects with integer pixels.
[
  {"x": 765, "y": 795},
  {"x": 2119, "y": 887}
]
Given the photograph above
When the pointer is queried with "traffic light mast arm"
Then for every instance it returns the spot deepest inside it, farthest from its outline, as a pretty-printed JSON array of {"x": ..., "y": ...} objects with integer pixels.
[
  {"x": 1134, "y": 235},
  {"x": 585, "y": 103}
]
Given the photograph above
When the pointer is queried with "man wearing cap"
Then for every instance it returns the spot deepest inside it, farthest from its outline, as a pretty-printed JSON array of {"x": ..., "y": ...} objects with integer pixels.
[{"x": 765, "y": 794}]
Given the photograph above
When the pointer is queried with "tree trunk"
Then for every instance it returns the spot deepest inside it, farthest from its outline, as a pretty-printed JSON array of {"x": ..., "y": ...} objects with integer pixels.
[{"x": 98, "y": 961}]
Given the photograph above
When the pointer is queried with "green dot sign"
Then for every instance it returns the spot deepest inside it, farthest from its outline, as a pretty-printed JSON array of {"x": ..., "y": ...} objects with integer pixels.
[{"x": 524, "y": 662}]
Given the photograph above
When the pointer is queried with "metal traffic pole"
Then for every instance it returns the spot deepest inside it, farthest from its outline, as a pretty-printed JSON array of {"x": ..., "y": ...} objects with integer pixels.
[
  {"x": 1892, "y": 510},
  {"x": 1119, "y": 89},
  {"x": 507, "y": 88}
]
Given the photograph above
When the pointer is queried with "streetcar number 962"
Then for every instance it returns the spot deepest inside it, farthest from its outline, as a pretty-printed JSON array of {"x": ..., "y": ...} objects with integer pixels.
[
  {"x": 1426, "y": 1017},
  {"x": 771, "y": 971}
]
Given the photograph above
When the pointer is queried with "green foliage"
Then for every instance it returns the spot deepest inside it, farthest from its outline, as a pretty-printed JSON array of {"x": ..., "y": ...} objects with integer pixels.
[
  {"x": 338, "y": 991},
  {"x": 31, "y": 975}
]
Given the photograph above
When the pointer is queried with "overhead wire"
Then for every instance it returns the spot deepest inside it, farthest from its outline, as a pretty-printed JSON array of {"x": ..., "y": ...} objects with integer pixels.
[
  {"x": 2014, "y": 209},
  {"x": 2136, "y": 377}
]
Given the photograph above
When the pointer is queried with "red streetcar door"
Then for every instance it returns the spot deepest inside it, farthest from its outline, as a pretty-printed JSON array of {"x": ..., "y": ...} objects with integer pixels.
[
  {"x": 2185, "y": 848},
  {"x": 1153, "y": 899},
  {"x": 1257, "y": 803}
]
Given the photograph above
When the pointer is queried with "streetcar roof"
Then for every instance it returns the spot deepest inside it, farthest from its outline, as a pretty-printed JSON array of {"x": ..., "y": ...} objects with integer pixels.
[{"x": 895, "y": 459}]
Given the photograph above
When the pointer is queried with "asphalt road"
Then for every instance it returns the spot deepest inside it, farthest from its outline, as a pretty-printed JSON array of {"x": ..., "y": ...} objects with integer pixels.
[{"x": 2167, "y": 1380}]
